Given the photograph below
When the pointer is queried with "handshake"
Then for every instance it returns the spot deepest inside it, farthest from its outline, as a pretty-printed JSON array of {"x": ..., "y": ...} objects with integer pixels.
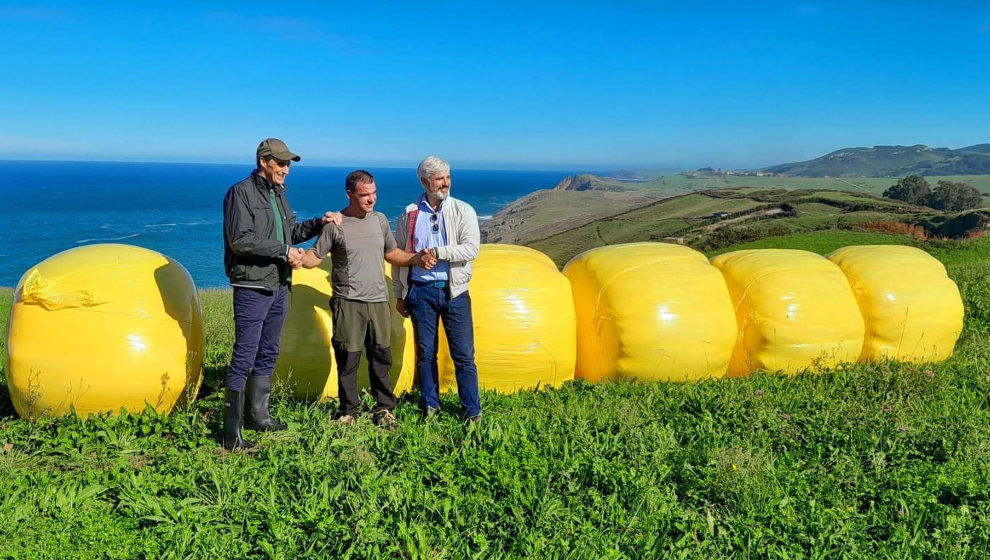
[
  {"x": 423, "y": 259},
  {"x": 297, "y": 258}
]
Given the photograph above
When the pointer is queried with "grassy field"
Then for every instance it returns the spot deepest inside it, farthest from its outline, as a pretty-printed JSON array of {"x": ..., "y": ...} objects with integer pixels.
[
  {"x": 866, "y": 461},
  {"x": 688, "y": 219},
  {"x": 869, "y": 185},
  {"x": 546, "y": 219}
]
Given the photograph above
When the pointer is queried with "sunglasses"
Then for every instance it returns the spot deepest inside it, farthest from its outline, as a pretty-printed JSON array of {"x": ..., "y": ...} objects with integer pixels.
[
  {"x": 281, "y": 163},
  {"x": 434, "y": 219}
]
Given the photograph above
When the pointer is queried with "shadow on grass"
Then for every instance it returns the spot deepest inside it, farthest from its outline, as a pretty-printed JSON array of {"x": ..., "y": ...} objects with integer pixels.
[
  {"x": 6, "y": 405},
  {"x": 214, "y": 378}
]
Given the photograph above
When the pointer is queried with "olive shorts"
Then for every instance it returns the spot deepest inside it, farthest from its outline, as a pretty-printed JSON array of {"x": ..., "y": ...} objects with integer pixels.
[{"x": 358, "y": 324}]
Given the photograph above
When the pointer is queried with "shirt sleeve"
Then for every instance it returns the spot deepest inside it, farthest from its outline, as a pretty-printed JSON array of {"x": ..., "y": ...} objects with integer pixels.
[
  {"x": 324, "y": 244},
  {"x": 390, "y": 243}
]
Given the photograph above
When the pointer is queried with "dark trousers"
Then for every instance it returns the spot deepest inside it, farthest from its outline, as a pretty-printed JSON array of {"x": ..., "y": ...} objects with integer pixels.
[
  {"x": 258, "y": 319},
  {"x": 427, "y": 305},
  {"x": 357, "y": 324}
]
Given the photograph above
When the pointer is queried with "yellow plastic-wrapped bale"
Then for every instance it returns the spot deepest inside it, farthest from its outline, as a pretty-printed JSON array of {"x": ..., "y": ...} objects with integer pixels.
[
  {"x": 650, "y": 311},
  {"x": 794, "y": 308},
  {"x": 104, "y": 327},
  {"x": 306, "y": 366},
  {"x": 911, "y": 308},
  {"x": 524, "y": 326}
]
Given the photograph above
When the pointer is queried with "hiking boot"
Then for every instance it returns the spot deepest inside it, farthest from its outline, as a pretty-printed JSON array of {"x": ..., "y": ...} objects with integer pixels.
[
  {"x": 473, "y": 418},
  {"x": 385, "y": 419}
]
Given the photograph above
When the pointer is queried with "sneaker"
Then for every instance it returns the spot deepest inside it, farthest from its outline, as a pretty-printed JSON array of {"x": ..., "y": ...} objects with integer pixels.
[
  {"x": 345, "y": 418},
  {"x": 473, "y": 418},
  {"x": 385, "y": 419},
  {"x": 431, "y": 411}
]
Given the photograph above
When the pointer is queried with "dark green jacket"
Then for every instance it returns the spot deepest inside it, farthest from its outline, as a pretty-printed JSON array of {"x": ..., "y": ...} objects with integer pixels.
[{"x": 252, "y": 253}]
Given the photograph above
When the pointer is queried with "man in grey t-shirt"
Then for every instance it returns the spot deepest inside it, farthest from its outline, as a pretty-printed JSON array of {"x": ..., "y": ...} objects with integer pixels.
[{"x": 359, "y": 306}]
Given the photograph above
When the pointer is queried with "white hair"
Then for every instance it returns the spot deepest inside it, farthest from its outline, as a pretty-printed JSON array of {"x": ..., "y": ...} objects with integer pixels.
[{"x": 431, "y": 166}]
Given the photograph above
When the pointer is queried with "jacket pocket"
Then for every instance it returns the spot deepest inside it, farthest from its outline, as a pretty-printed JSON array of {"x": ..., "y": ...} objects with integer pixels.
[{"x": 264, "y": 222}]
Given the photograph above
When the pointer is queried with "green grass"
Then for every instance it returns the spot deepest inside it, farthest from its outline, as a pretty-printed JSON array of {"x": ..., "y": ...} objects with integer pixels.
[
  {"x": 821, "y": 242},
  {"x": 865, "y": 461}
]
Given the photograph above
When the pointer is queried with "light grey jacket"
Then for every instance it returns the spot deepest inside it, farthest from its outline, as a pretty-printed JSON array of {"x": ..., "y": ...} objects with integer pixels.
[{"x": 463, "y": 244}]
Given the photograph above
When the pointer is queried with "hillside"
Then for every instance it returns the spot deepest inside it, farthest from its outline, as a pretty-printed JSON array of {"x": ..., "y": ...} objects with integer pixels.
[
  {"x": 574, "y": 202},
  {"x": 711, "y": 220},
  {"x": 545, "y": 213},
  {"x": 892, "y": 161}
]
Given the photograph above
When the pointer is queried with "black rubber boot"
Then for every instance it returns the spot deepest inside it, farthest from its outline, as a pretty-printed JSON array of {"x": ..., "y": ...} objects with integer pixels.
[
  {"x": 259, "y": 396},
  {"x": 233, "y": 414}
]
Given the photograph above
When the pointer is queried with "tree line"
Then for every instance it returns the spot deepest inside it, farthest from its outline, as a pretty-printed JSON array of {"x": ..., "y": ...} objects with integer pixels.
[{"x": 953, "y": 196}]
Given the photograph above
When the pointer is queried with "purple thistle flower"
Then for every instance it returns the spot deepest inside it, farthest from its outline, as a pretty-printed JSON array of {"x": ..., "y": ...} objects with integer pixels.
[
  {"x": 759, "y": 392},
  {"x": 786, "y": 416}
]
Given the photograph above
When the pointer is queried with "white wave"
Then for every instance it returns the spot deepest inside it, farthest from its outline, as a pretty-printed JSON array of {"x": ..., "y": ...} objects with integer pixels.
[
  {"x": 485, "y": 217},
  {"x": 108, "y": 238}
]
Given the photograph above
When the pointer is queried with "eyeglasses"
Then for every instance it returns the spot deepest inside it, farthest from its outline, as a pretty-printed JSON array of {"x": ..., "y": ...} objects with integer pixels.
[{"x": 436, "y": 225}]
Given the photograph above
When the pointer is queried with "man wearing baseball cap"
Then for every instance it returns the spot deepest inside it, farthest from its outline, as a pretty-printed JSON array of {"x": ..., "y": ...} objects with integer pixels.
[{"x": 259, "y": 231}]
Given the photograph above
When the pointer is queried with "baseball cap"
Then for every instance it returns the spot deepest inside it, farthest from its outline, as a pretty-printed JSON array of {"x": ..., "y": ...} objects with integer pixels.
[{"x": 277, "y": 149}]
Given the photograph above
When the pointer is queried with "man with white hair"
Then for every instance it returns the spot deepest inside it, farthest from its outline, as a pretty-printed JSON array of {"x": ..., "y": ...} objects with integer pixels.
[{"x": 447, "y": 228}]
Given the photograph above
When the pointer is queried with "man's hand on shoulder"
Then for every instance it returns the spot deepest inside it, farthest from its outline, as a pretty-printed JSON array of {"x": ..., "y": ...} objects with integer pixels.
[{"x": 333, "y": 218}]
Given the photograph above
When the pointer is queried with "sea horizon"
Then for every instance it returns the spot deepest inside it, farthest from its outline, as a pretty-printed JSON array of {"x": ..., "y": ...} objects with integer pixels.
[{"x": 176, "y": 208}]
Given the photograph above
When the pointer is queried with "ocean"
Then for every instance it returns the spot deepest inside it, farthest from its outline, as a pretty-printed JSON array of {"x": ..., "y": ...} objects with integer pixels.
[{"x": 176, "y": 208}]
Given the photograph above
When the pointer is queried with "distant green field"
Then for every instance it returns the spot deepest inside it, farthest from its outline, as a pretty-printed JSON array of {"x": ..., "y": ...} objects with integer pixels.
[
  {"x": 870, "y": 185},
  {"x": 689, "y": 219},
  {"x": 820, "y": 242}
]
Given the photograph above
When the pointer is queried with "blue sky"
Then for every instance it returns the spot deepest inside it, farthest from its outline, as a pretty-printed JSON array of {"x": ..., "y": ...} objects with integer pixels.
[{"x": 524, "y": 85}]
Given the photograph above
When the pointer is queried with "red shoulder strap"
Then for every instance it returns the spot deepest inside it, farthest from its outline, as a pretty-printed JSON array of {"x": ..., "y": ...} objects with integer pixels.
[{"x": 412, "y": 228}]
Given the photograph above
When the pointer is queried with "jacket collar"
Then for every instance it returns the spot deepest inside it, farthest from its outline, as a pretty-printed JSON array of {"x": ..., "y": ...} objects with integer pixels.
[{"x": 264, "y": 184}]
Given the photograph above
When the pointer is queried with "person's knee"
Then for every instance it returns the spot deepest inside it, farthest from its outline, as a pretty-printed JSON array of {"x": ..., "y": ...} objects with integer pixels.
[{"x": 382, "y": 354}]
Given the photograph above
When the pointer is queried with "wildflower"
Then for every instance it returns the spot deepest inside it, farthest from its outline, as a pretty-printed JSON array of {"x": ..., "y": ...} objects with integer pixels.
[
  {"x": 930, "y": 374},
  {"x": 734, "y": 467},
  {"x": 888, "y": 408},
  {"x": 900, "y": 512},
  {"x": 900, "y": 428},
  {"x": 759, "y": 392},
  {"x": 786, "y": 416}
]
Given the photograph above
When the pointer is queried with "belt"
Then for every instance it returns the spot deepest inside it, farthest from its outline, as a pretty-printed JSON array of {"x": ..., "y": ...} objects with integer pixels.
[{"x": 429, "y": 284}]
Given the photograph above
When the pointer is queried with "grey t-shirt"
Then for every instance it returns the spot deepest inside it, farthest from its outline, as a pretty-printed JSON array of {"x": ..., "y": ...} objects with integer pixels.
[{"x": 357, "y": 249}]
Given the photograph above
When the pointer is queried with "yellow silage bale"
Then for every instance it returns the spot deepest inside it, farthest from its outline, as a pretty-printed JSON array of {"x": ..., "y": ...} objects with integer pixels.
[
  {"x": 306, "y": 366},
  {"x": 650, "y": 311},
  {"x": 794, "y": 308},
  {"x": 912, "y": 309},
  {"x": 524, "y": 325},
  {"x": 101, "y": 328}
]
